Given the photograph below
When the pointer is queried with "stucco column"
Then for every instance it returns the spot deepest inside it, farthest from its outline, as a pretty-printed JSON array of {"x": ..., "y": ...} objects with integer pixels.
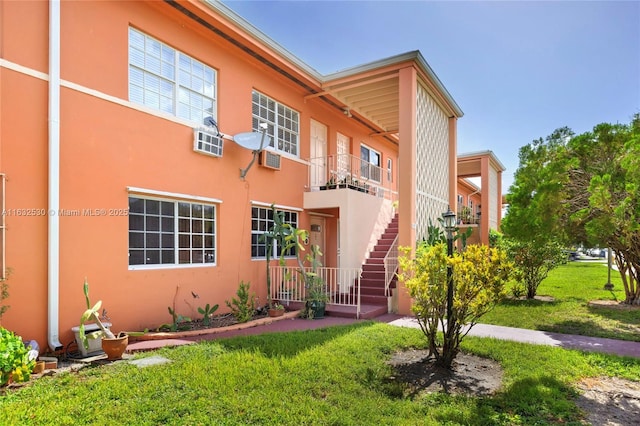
[
  {"x": 499, "y": 188},
  {"x": 484, "y": 199},
  {"x": 453, "y": 164},
  {"x": 407, "y": 171}
]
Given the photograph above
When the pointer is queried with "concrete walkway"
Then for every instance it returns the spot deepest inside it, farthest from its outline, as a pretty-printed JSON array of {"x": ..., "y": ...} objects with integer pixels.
[{"x": 584, "y": 343}]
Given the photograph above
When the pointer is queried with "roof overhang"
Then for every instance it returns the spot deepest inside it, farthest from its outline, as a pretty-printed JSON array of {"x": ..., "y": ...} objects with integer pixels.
[
  {"x": 368, "y": 93},
  {"x": 470, "y": 164}
]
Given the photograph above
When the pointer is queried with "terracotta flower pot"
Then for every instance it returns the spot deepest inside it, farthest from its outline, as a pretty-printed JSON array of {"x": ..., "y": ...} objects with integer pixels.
[
  {"x": 276, "y": 312},
  {"x": 114, "y": 348}
]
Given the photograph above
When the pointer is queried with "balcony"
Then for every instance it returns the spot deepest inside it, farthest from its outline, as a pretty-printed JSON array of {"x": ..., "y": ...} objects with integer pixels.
[{"x": 345, "y": 171}]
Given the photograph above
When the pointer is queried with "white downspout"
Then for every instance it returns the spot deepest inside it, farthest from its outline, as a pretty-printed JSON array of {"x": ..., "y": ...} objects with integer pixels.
[{"x": 54, "y": 177}]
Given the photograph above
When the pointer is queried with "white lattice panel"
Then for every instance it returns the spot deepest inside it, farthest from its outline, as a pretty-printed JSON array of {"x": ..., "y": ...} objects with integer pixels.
[
  {"x": 432, "y": 159},
  {"x": 493, "y": 199}
]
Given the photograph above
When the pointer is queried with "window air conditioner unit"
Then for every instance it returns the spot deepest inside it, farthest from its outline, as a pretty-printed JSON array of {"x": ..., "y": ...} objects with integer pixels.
[
  {"x": 207, "y": 142},
  {"x": 270, "y": 160}
]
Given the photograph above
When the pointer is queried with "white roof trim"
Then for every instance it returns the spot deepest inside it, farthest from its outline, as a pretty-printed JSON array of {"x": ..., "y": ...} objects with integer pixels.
[
  {"x": 414, "y": 55},
  {"x": 175, "y": 195},
  {"x": 277, "y": 206}
]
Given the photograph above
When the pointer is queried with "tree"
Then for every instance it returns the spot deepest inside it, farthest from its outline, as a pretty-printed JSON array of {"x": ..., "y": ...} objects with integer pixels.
[
  {"x": 603, "y": 195},
  {"x": 582, "y": 189},
  {"x": 479, "y": 277},
  {"x": 535, "y": 196},
  {"x": 532, "y": 231}
]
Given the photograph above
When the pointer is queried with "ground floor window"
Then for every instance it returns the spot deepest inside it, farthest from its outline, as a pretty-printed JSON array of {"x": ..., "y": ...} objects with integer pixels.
[
  {"x": 261, "y": 222},
  {"x": 171, "y": 232}
]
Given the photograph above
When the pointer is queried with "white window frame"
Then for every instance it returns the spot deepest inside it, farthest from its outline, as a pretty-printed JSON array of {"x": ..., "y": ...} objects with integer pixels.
[
  {"x": 389, "y": 170},
  {"x": 168, "y": 80},
  {"x": 171, "y": 231},
  {"x": 369, "y": 170},
  {"x": 283, "y": 123},
  {"x": 262, "y": 223}
]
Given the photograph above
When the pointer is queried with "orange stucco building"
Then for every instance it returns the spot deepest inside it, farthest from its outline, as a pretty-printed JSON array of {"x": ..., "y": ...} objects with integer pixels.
[
  {"x": 471, "y": 198},
  {"x": 121, "y": 158}
]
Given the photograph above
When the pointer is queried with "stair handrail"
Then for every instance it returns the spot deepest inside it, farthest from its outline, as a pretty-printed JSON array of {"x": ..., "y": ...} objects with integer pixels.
[{"x": 390, "y": 262}]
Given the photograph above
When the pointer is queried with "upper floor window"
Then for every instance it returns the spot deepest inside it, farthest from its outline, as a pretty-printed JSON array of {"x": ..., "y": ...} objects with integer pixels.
[
  {"x": 167, "y": 232},
  {"x": 369, "y": 164},
  {"x": 261, "y": 222},
  {"x": 389, "y": 170},
  {"x": 283, "y": 123},
  {"x": 166, "y": 79}
]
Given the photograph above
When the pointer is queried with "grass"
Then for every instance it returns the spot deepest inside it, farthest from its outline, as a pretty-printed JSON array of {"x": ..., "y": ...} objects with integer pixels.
[
  {"x": 335, "y": 376},
  {"x": 572, "y": 286}
]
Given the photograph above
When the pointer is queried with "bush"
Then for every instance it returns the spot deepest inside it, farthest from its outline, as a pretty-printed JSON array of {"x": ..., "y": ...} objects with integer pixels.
[
  {"x": 244, "y": 306},
  {"x": 479, "y": 275},
  {"x": 14, "y": 358},
  {"x": 533, "y": 261}
]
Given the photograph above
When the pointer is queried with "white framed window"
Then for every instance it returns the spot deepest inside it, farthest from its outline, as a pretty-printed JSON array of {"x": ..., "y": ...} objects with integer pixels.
[
  {"x": 389, "y": 170},
  {"x": 261, "y": 222},
  {"x": 171, "y": 232},
  {"x": 369, "y": 163},
  {"x": 283, "y": 123},
  {"x": 165, "y": 79}
]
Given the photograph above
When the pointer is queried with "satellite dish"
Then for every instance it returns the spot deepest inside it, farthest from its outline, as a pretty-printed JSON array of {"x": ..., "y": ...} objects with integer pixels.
[
  {"x": 250, "y": 140},
  {"x": 254, "y": 141}
]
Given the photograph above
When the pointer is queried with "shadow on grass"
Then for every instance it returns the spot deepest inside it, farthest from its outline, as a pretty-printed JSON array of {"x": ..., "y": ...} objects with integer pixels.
[
  {"x": 624, "y": 313},
  {"x": 540, "y": 400},
  {"x": 543, "y": 400},
  {"x": 528, "y": 302},
  {"x": 586, "y": 330},
  {"x": 289, "y": 343}
]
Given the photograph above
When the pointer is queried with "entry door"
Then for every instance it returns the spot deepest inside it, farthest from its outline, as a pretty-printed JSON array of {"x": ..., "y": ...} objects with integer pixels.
[
  {"x": 343, "y": 160},
  {"x": 318, "y": 154},
  {"x": 316, "y": 236}
]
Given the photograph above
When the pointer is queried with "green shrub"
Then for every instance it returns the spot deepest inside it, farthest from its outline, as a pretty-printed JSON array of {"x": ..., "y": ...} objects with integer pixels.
[
  {"x": 14, "y": 358},
  {"x": 244, "y": 306}
]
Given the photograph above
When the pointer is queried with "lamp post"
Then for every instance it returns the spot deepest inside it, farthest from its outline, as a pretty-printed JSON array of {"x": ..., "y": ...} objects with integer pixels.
[
  {"x": 449, "y": 221},
  {"x": 609, "y": 284}
]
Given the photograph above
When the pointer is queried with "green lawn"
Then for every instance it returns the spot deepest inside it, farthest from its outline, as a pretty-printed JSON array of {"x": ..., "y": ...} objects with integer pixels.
[
  {"x": 572, "y": 286},
  {"x": 335, "y": 376}
]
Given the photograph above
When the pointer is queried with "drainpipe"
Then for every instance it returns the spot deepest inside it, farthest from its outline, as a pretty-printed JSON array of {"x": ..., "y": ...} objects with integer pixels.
[{"x": 54, "y": 177}]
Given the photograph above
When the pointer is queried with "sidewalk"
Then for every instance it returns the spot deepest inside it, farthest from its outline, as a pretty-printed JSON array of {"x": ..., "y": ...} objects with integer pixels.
[{"x": 566, "y": 341}]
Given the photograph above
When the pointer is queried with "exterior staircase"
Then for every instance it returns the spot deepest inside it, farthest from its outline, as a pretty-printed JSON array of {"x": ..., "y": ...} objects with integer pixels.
[{"x": 373, "y": 300}]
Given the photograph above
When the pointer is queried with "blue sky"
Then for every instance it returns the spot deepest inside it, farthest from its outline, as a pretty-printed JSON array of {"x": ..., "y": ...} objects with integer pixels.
[{"x": 518, "y": 70}]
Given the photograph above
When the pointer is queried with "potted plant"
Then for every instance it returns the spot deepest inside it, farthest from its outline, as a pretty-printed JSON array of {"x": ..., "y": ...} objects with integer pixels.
[
  {"x": 114, "y": 346},
  {"x": 465, "y": 214},
  {"x": 316, "y": 295},
  {"x": 276, "y": 310}
]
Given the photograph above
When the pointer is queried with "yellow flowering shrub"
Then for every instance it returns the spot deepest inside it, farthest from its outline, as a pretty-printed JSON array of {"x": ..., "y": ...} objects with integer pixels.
[{"x": 479, "y": 275}]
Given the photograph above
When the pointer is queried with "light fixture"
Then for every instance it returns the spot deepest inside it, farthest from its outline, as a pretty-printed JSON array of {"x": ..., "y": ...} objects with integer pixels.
[
  {"x": 347, "y": 112},
  {"x": 449, "y": 222}
]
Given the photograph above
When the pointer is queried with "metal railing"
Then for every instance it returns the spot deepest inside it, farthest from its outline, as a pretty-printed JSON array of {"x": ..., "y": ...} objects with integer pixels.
[
  {"x": 390, "y": 265},
  {"x": 348, "y": 171},
  {"x": 342, "y": 285}
]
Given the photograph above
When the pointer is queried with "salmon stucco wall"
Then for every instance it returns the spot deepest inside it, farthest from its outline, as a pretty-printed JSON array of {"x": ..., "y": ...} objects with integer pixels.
[{"x": 111, "y": 149}]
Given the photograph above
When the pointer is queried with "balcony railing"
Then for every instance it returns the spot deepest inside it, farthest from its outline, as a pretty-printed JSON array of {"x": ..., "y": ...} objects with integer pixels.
[
  {"x": 347, "y": 171},
  {"x": 342, "y": 285}
]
